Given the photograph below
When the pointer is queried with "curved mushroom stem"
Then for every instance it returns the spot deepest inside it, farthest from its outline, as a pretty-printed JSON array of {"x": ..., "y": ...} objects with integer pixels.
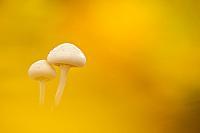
[
  {"x": 63, "y": 78},
  {"x": 42, "y": 91}
]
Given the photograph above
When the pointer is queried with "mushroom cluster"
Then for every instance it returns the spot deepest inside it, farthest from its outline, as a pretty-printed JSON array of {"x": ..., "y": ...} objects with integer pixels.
[{"x": 64, "y": 56}]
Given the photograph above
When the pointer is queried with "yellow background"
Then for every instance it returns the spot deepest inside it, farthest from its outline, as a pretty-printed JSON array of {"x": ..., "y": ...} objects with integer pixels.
[{"x": 142, "y": 73}]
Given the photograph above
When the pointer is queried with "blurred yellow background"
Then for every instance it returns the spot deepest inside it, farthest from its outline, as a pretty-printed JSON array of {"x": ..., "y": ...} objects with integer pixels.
[{"x": 142, "y": 73}]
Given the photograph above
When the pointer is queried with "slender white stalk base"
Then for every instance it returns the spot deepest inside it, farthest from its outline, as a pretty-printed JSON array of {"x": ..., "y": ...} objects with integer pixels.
[
  {"x": 62, "y": 82},
  {"x": 42, "y": 91}
]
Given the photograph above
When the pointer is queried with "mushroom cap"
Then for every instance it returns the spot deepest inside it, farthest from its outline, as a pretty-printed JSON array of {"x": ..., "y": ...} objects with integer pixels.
[
  {"x": 41, "y": 70},
  {"x": 66, "y": 54}
]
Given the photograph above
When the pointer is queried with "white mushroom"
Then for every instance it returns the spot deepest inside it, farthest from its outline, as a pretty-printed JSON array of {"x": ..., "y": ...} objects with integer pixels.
[
  {"x": 65, "y": 56},
  {"x": 42, "y": 72}
]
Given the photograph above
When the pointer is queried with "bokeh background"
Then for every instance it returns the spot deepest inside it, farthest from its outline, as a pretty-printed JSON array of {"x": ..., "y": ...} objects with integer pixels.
[{"x": 142, "y": 73}]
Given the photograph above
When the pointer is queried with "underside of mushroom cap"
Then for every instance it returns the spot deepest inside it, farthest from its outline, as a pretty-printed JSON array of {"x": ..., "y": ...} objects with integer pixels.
[
  {"x": 66, "y": 54},
  {"x": 41, "y": 70}
]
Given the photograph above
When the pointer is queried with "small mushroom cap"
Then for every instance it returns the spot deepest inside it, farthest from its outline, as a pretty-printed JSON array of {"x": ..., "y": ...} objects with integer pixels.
[
  {"x": 66, "y": 54},
  {"x": 41, "y": 70}
]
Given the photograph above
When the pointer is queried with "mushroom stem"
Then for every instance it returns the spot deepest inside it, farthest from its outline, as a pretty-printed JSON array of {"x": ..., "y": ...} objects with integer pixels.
[
  {"x": 62, "y": 82},
  {"x": 42, "y": 91}
]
